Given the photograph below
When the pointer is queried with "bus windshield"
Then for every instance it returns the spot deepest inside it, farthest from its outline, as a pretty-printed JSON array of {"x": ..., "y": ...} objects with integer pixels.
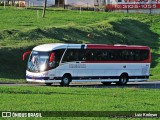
[
  {"x": 43, "y": 61},
  {"x": 38, "y": 61}
]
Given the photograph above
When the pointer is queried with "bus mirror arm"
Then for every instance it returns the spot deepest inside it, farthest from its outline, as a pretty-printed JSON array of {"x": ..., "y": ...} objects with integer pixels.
[{"x": 24, "y": 55}]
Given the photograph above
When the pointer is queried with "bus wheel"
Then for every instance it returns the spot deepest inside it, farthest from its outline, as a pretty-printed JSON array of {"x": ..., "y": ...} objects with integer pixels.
[
  {"x": 123, "y": 79},
  {"x": 106, "y": 83},
  {"x": 65, "y": 80},
  {"x": 48, "y": 84}
]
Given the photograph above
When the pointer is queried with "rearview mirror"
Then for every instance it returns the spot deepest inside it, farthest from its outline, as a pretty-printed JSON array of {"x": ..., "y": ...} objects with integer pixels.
[
  {"x": 25, "y": 54},
  {"x": 51, "y": 58}
]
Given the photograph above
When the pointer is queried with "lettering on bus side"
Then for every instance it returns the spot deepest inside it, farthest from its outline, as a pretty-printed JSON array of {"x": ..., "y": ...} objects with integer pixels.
[{"x": 77, "y": 65}]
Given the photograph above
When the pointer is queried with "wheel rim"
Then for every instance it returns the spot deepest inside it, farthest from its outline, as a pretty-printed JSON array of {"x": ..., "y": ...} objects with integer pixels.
[
  {"x": 123, "y": 79},
  {"x": 65, "y": 80}
]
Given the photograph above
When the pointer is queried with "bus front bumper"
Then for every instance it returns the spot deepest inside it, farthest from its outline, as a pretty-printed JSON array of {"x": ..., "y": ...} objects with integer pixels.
[{"x": 41, "y": 80}]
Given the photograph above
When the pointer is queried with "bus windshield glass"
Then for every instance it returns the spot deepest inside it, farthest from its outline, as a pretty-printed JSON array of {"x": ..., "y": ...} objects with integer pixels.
[
  {"x": 38, "y": 61},
  {"x": 43, "y": 61}
]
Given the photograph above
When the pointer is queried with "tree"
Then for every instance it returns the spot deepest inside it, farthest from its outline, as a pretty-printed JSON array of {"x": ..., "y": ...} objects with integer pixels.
[
  {"x": 44, "y": 8},
  {"x": 12, "y": 2}
]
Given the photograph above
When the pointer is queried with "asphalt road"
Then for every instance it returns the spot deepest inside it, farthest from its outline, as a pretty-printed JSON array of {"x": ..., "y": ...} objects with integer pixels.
[{"x": 147, "y": 85}]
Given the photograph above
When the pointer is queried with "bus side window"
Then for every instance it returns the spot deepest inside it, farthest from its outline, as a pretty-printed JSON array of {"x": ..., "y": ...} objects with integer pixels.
[
  {"x": 125, "y": 55},
  {"x": 111, "y": 55},
  {"x": 88, "y": 55},
  {"x": 66, "y": 56},
  {"x": 82, "y": 55},
  {"x": 105, "y": 55},
  {"x": 141, "y": 55},
  {"x": 137, "y": 55},
  {"x": 99, "y": 55},
  {"x": 131, "y": 55},
  {"x": 58, "y": 55},
  {"x": 91, "y": 55},
  {"x": 71, "y": 55}
]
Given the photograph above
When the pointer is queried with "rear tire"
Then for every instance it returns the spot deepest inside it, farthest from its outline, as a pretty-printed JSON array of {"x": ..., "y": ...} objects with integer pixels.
[
  {"x": 123, "y": 79},
  {"x": 65, "y": 80}
]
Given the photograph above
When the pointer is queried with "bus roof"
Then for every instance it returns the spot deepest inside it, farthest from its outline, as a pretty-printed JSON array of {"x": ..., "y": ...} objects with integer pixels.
[{"x": 55, "y": 46}]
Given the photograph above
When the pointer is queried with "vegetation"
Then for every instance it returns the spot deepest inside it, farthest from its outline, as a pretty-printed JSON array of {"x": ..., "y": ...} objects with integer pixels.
[
  {"x": 22, "y": 29},
  {"x": 22, "y": 98}
]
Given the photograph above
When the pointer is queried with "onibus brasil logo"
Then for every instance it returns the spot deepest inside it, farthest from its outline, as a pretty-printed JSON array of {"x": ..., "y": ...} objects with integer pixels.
[{"x": 21, "y": 114}]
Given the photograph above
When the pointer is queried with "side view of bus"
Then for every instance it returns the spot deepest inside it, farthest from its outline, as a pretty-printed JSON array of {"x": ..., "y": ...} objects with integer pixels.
[{"x": 65, "y": 63}]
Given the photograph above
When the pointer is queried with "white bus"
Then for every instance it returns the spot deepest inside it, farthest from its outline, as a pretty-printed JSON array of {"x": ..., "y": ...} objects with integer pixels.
[{"x": 65, "y": 63}]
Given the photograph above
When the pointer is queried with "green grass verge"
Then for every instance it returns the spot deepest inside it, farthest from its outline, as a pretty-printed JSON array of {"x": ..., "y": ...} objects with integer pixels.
[
  {"x": 22, "y": 29},
  {"x": 23, "y": 98}
]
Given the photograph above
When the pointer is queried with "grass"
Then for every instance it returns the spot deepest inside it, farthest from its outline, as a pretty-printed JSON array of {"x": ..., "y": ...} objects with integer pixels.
[
  {"x": 23, "y": 98},
  {"x": 22, "y": 29}
]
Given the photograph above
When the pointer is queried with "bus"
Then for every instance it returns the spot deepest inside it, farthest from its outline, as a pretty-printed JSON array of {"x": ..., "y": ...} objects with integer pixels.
[{"x": 65, "y": 63}]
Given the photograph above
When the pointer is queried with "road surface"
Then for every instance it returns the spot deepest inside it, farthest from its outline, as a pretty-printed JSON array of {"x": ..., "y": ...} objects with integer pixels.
[{"x": 148, "y": 85}]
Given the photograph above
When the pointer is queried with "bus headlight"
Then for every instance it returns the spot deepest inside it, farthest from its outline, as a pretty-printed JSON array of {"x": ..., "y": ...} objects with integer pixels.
[{"x": 42, "y": 67}]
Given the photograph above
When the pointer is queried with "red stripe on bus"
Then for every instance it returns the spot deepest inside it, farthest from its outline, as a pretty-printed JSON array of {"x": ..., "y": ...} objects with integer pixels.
[{"x": 122, "y": 47}]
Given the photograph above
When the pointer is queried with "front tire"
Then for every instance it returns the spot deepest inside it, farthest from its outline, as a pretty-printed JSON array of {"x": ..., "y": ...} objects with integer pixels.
[{"x": 65, "y": 80}]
